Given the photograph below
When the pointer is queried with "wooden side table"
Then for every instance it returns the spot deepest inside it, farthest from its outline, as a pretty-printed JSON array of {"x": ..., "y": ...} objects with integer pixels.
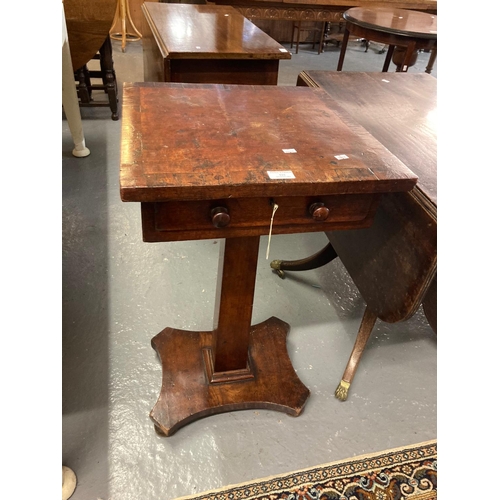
[
  {"x": 265, "y": 150},
  {"x": 207, "y": 44},
  {"x": 393, "y": 27}
]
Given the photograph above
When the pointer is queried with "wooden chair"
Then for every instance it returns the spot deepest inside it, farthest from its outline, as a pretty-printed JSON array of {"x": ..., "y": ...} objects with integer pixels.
[
  {"x": 297, "y": 26},
  {"x": 334, "y": 32}
]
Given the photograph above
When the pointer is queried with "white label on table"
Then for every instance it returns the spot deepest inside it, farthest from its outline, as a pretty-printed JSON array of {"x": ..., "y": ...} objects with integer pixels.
[
  {"x": 283, "y": 50},
  {"x": 280, "y": 174},
  {"x": 341, "y": 157},
  {"x": 289, "y": 151}
]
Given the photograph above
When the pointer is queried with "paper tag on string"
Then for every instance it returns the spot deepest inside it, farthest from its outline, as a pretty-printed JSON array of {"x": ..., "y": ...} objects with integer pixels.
[{"x": 275, "y": 207}]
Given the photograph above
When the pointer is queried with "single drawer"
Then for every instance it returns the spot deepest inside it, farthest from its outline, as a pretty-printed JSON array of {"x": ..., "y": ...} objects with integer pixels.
[{"x": 202, "y": 219}]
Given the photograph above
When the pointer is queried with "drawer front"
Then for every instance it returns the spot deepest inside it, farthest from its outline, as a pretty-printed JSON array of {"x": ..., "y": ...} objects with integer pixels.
[{"x": 184, "y": 220}]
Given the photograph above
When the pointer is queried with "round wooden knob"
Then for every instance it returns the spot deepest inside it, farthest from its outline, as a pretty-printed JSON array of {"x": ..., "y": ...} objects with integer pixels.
[
  {"x": 319, "y": 212},
  {"x": 220, "y": 217}
]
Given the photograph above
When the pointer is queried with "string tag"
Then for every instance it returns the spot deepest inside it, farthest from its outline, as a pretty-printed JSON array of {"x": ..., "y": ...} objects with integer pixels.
[{"x": 275, "y": 207}]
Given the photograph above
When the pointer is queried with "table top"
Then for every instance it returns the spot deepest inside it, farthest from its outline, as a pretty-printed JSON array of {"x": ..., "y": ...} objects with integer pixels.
[
  {"x": 401, "y": 22},
  {"x": 209, "y": 31},
  {"x": 224, "y": 141},
  {"x": 398, "y": 109},
  {"x": 88, "y": 23}
]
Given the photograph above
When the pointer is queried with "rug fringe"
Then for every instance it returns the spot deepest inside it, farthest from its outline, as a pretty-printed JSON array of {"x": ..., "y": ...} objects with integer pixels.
[{"x": 432, "y": 442}]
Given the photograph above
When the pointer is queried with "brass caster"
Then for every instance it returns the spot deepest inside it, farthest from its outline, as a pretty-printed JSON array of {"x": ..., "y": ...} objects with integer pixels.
[
  {"x": 275, "y": 266},
  {"x": 342, "y": 390}
]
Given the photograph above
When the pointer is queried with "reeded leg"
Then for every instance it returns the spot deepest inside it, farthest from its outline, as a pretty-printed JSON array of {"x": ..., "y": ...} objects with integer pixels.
[
  {"x": 365, "y": 329},
  {"x": 324, "y": 256}
]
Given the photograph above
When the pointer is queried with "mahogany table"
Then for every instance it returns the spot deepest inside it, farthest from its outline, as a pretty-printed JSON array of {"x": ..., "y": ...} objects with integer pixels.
[
  {"x": 394, "y": 262},
  {"x": 207, "y": 44},
  {"x": 217, "y": 168},
  {"x": 393, "y": 27}
]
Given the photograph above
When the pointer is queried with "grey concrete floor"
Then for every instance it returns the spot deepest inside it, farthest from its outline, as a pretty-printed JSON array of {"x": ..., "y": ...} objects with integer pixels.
[{"x": 119, "y": 292}]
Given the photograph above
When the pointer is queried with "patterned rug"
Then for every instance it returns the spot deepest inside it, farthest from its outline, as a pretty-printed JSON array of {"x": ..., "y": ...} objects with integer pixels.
[{"x": 407, "y": 473}]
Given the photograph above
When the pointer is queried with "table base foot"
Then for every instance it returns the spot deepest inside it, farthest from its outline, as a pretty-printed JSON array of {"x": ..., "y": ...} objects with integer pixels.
[{"x": 187, "y": 394}]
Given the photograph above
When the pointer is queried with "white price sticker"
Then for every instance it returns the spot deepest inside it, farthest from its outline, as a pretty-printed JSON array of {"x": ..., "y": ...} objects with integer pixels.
[
  {"x": 280, "y": 174},
  {"x": 341, "y": 157}
]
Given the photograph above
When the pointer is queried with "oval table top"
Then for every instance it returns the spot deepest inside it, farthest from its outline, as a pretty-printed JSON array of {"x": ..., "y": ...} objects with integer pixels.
[{"x": 401, "y": 22}]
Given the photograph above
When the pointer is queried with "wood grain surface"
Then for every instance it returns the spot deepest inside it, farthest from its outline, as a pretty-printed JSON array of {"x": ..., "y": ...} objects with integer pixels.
[
  {"x": 186, "y": 396},
  {"x": 394, "y": 21},
  {"x": 400, "y": 110},
  {"x": 394, "y": 261},
  {"x": 208, "y": 32},
  {"x": 88, "y": 22},
  {"x": 189, "y": 142}
]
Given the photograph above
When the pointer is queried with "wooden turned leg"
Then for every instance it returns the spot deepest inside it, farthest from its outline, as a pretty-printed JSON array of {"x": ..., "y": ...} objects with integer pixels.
[
  {"x": 324, "y": 256},
  {"x": 109, "y": 77},
  {"x": 84, "y": 90},
  {"x": 234, "y": 367},
  {"x": 365, "y": 329}
]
